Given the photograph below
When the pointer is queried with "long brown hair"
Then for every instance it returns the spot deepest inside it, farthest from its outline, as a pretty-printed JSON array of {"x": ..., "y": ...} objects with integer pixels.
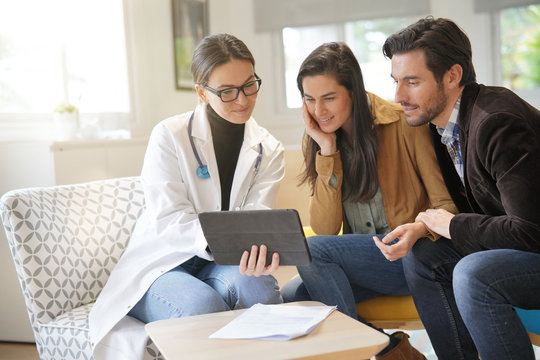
[{"x": 337, "y": 59}]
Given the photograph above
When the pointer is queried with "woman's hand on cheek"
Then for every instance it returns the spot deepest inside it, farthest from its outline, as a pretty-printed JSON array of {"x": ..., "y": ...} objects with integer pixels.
[{"x": 327, "y": 142}]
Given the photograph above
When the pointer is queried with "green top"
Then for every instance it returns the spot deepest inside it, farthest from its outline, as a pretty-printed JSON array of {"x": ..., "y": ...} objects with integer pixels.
[{"x": 362, "y": 217}]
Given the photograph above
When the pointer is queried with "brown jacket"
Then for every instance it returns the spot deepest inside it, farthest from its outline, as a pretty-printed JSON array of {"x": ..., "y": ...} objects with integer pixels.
[{"x": 408, "y": 172}]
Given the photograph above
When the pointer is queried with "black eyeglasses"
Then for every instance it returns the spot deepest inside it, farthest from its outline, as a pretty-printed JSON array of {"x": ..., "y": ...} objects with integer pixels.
[{"x": 231, "y": 94}]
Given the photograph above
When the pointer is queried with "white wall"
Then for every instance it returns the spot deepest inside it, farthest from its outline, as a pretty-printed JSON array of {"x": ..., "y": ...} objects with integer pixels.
[{"x": 151, "y": 59}]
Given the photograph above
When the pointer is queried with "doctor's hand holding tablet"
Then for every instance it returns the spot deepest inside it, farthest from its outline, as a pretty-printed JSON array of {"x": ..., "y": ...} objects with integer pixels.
[{"x": 253, "y": 262}]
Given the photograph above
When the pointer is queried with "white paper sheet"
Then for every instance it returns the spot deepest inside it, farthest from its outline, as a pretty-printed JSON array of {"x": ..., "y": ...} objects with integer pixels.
[{"x": 274, "y": 322}]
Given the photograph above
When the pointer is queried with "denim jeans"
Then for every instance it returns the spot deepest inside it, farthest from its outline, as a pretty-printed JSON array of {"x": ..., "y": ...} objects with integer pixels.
[
  {"x": 440, "y": 279},
  {"x": 345, "y": 269},
  {"x": 198, "y": 287},
  {"x": 487, "y": 285}
]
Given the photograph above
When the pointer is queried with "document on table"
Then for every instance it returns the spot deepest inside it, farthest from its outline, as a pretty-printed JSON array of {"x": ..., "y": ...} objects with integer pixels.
[{"x": 274, "y": 322}]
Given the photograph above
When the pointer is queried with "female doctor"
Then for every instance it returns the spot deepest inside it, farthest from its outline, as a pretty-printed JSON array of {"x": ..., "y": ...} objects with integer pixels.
[{"x": 214, "y": 158}]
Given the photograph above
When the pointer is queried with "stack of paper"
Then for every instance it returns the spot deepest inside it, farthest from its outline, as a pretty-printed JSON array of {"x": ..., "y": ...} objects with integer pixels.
[{"x": 274, "y": 322}]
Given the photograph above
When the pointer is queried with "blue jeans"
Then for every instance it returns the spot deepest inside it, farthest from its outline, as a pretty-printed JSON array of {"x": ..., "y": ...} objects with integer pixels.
[
  {"x": 345, "y": 269},
  {"x": 198, "y": 287},
  {"x": 447, "y": 289},
  {"x": 487, "y": 285}
]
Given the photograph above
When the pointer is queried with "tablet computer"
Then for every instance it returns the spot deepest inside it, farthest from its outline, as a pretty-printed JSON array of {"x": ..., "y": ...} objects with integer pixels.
[{"x": 229, "y": 233}]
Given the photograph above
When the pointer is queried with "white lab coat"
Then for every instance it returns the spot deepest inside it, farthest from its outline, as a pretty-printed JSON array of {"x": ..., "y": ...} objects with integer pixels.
[{"x": 168, "y": 233}]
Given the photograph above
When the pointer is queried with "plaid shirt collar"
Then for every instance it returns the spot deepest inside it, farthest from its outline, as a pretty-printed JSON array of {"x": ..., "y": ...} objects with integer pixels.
[
  {"x": 450, "y": 138},
  {"x": 450, "y": 133}
]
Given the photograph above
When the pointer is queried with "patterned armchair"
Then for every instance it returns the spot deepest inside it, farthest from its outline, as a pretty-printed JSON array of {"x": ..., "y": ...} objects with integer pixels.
[{"x": 65, "y": 240}]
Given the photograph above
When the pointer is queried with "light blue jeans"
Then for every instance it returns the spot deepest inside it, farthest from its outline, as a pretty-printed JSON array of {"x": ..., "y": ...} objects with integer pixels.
[
  {"x": 198, "y": 287},
  {"x": 346, "y": 269}
]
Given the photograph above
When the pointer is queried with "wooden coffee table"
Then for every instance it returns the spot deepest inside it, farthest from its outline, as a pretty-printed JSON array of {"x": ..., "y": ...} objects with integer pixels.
[{"x": 337, "y": 337}]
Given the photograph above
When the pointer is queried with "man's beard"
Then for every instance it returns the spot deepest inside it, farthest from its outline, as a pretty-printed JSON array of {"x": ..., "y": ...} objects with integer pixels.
[{"x": 435, "y": 108}]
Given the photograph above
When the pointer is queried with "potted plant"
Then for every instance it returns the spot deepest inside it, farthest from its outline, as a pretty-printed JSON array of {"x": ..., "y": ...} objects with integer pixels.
[{"x": 66, "y": 121}]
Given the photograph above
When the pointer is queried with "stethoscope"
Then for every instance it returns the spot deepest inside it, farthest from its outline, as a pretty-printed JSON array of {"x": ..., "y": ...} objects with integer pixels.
[{"x": 202, "y": 170}]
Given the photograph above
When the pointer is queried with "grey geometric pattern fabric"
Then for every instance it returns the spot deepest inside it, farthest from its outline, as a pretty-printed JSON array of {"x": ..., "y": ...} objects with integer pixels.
[{"x": 65, "y": 241}]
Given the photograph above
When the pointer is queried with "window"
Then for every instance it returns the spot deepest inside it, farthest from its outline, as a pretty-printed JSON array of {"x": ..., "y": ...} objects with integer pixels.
[
  {"x": 520, "y": 47},
  {"x": 62, "y": 51},
  {"x": 365, "y": 38}
]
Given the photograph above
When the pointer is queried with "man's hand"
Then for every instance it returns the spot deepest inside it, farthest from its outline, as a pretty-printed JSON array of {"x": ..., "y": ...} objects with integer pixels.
[
  {"x": 407, "y": 235},
  {"x": 252, "y": 264},
  {"x": 438, "y": 220}
]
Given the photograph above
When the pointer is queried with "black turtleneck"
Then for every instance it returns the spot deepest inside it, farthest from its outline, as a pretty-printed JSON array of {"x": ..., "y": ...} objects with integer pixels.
[{"x": 227, "y": 139}]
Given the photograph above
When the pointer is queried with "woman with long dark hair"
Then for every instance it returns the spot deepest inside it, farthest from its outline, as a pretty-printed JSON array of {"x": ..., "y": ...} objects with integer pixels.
[{"x": 369, "y": 173}]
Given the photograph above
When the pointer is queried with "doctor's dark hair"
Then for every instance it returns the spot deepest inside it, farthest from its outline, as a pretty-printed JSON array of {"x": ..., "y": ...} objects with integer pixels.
[
  {"x": 336, "y": 59},
  {"x": 216, "y": 50},
  {"x": 443, "y": 42}
]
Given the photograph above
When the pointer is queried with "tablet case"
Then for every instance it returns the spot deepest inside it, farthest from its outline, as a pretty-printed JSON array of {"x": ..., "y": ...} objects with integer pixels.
[{"x": 229, "y": 233}]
